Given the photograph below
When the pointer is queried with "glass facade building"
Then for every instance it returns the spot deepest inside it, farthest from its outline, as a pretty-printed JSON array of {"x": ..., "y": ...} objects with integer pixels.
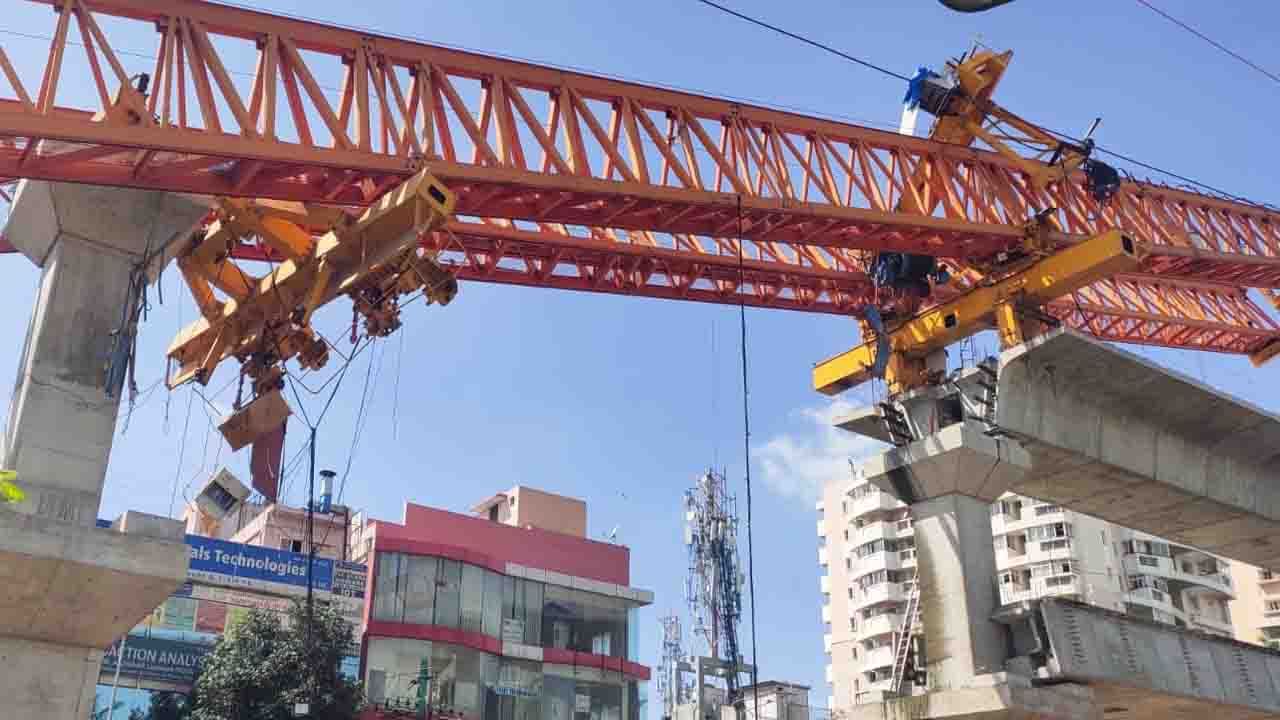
[
  {"x": 483, "y": 620},
  {"x": 492, "y": 612}
]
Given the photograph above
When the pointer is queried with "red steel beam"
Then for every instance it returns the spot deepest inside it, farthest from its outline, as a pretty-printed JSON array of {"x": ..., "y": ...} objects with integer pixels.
[{"x": 682, "y": 172}]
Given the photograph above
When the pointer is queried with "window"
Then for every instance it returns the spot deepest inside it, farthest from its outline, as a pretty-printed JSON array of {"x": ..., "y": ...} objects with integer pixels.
[
  {"x": 393, "y": 663},
  {"x": 448, "y": 592},
  {"x": 1047, "y": 509},
  {"x": 844, "y": 507},
  {"x": 1148, "y": 561},
  {"x": 1051, "y": 568},
  {"x": 822, "y": 541},
  {"x": 1265, "y": 575},
  {"x": 583, "y": 621},
  {"x": 853, "y": 625},
  {"x": 1049, "y": 531},
  {"x": 848, "y": 564},
  {"x": 522, "y": 612},
  {"x": 850, "y": 593},
  {"x": 1011, "y": 508},
  {"x": 846, "y": 534},
  {"x": 491, "y": 622},
  {"x": 419, "y": 589},
  {"x": 1146, "y": 581},
  {"x": 1273, "y": 606},
  {"x": 493, "y": 513},
  {"x": 472, "y": 600},
  {"x": 291, "y": 545},
  {"x": 1054, "y": 545},
  {"x": 1059, "y": 580},
  {"x": 826, "y": 628},
  {"x": 877, "y": 611},
  {"x": 388, "y": 598}
]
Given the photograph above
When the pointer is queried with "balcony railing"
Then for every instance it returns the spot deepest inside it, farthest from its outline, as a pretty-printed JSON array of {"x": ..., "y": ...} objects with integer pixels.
[
  {"x": 880, "y": 657},
  {"x": 880, "y": 625}
]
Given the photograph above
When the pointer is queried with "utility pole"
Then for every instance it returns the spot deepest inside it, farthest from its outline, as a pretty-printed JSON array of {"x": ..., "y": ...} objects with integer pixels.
[{"x": 311, "y": 561}]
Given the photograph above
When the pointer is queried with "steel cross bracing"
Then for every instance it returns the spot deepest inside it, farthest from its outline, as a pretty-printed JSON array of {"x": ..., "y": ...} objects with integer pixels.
[{"x": 577, "y": 181}]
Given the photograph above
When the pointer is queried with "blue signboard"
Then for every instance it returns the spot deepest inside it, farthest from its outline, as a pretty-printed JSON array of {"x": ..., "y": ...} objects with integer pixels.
[{"x": 228, "y": 563}]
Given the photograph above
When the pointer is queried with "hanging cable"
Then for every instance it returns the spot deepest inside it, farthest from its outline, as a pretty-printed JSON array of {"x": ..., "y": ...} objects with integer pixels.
[
  {"x": 746, "y": 456},
  {"x": 182, "y": 449},
  {"x": 805, "y": 40},
  {"x": 1275, "y": 78}
]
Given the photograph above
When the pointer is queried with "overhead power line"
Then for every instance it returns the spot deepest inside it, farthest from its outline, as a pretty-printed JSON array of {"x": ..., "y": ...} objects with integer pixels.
[
  {"x": 1274, "y": 78},
  {"x": 805, "y": 40},
  {"x": 1106, "y": 151}
]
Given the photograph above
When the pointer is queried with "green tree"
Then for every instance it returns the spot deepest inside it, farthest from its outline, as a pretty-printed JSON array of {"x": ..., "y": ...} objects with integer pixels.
[{"x": 260, "y": 669}]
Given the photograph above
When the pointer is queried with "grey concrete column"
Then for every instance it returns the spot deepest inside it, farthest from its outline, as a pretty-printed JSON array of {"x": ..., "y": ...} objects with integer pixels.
[
  {"x": 958, "y": 595},
  {"x": 68, "y": 589},
  {"x": 88, "y": 241}
]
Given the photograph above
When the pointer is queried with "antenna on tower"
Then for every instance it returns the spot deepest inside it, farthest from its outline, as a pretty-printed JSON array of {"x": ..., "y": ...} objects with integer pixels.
[{"x": 713, "y": 588}]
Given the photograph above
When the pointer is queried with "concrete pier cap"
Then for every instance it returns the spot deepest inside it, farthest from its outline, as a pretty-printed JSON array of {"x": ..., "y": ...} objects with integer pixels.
[{"x": 959, "y": 459}]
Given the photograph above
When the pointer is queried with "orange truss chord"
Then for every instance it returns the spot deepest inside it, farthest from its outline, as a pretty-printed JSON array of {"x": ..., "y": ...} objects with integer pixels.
[{"x": 577, "y": 181}]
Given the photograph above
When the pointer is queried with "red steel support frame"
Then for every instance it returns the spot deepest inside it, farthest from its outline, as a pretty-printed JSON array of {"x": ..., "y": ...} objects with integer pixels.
[{"x": 576, "y": 181}]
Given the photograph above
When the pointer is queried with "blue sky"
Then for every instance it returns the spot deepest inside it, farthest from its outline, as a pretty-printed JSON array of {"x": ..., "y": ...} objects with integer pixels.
[{"x": 623, "y": 401}]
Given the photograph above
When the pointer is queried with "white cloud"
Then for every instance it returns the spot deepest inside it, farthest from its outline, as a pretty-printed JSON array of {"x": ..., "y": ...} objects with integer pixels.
[{"x": 797, "y": 464}]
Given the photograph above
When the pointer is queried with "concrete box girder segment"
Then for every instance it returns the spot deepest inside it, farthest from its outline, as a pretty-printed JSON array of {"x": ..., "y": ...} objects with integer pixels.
[
  {"x": 1086, "y": 663},
  {"x": 1115, "y": 436}
]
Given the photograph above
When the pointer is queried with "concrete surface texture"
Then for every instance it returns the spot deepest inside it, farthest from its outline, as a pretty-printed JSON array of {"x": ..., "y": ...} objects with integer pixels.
[
  {"x": 87, "y": 240},
  {"x": 998, "y": 696},
  {"x": 956, "y": 571},
  {"x": 50, "y": 681},
  {"x": 1098, "y": 647},
  {"x": 958, "y": 459},
  {"x": 68, "y": 589},
  {"x": 1115, "y": 436}
]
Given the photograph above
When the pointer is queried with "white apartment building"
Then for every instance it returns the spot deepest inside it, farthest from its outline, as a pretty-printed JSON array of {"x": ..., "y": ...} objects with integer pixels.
[
  {"x": 1255, "y": 612},
  {"x": 866, "y": 547}
]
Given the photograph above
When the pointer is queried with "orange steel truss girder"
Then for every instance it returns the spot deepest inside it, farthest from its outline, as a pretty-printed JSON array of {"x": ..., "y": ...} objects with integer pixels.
[{"x": 338, "y": 116}]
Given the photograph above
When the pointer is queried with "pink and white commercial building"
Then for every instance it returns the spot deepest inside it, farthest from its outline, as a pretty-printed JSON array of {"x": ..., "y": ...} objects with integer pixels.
[{"x": 514, "y": 612}]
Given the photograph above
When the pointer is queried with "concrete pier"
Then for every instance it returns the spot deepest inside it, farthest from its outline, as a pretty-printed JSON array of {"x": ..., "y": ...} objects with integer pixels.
[
  {"x": 68, "y": 588},
  {"x": 1073, "y": 421}
]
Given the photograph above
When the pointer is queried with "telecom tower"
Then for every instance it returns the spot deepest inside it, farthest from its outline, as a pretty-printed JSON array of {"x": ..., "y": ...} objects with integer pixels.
[
  {"x": 713, "y": 587},
  {"x": 713, "y": 590},
  {"x": 669, "y": 689}
]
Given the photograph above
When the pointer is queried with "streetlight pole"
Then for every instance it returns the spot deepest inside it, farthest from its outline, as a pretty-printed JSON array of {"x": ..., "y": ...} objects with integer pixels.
[{"x": 311, "y": 561}]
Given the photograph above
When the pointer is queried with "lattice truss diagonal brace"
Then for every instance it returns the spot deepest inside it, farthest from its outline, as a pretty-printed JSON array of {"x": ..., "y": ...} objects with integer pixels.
[
  {"x": 571, "y": 180},
  {"x": 264, "y": 321}
]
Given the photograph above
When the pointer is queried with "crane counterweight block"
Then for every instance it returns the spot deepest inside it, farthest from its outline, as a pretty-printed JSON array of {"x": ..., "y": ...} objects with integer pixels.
[{"x": 269, "y": 316}]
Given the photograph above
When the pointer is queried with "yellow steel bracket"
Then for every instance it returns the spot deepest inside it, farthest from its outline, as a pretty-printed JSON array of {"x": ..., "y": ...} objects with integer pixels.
[
  {"x": 264, "y": 320},
  {"x": 1001, "y": 304}
]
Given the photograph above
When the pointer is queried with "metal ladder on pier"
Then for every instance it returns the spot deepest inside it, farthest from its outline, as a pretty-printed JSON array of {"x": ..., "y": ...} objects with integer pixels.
[{"x": 902, "y": 639}]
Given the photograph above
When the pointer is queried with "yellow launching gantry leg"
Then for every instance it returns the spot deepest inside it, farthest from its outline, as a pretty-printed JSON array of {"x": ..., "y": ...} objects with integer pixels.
[
  {"x": 324, "y": 253},
  {"x": 1003, "y": 305}
]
